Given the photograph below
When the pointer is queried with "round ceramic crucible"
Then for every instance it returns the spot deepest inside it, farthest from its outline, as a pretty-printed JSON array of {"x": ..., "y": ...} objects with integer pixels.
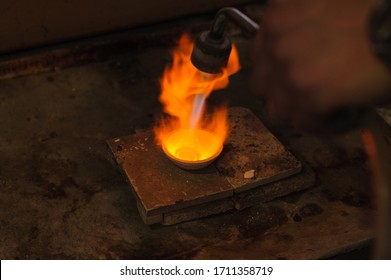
[{"x": 192, "y": 148}]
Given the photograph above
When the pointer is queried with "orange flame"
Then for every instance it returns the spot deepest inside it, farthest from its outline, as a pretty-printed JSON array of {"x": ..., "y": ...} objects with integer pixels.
[{"x": 181, "y": 83}]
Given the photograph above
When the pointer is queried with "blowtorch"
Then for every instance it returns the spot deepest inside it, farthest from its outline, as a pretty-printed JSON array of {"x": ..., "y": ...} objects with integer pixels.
[{"x": 212, "y": 49}]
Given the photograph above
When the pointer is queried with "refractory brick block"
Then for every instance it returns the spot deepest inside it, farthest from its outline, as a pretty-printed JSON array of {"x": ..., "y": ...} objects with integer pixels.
[{"x": 254, "y": 167}]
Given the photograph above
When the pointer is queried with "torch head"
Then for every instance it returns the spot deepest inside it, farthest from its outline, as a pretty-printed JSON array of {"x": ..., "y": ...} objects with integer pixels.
[{"x": 210, "y": 54}]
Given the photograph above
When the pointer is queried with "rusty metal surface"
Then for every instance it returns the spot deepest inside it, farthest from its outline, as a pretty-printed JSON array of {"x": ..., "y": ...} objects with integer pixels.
[{"x": 63, "y": 197}]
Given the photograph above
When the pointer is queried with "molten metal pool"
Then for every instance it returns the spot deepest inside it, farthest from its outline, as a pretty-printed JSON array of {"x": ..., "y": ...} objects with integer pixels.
[{"x": 192, "y": 148}]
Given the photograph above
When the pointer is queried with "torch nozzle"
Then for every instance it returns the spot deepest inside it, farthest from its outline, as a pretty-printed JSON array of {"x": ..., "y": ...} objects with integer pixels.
[{"x": 212, "y": 48}]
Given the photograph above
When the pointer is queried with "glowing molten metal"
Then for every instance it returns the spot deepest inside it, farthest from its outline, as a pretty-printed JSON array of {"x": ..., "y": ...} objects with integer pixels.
[{"x": 188, "y": 137}]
